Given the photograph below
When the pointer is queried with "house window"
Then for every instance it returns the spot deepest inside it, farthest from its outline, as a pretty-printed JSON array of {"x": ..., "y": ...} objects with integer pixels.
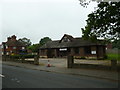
[
  {"x": 23, "y": 47},
  {"x": 14, "y": 47},
  {"x": 7, "y": 53},
  {"x": 87, "y": 50}
]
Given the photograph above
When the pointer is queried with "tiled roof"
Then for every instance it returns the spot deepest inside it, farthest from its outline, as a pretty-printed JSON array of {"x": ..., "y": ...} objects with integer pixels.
[
  {"x": 75, "y": 42},
  {"x": 11, "y": 41},
  {"x": 14, "y": 43}
]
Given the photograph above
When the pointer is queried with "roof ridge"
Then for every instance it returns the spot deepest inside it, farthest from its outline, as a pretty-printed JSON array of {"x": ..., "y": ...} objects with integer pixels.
[{"x": 68, "y": 35}]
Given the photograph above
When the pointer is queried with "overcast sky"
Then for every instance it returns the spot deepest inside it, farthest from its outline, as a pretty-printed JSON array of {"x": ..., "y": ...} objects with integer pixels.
[{"x": 35, "y": 19}]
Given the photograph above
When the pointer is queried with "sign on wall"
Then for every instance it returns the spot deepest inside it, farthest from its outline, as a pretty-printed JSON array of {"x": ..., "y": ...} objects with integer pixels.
[
  {"x": 63, "y": 49},
  {"x": 93, "y": 52}
]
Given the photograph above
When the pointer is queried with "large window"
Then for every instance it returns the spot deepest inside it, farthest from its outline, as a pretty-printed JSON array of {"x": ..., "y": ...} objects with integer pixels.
[
  {"x": 87, "y": 50},
  {"x": 76, "y": 50}
]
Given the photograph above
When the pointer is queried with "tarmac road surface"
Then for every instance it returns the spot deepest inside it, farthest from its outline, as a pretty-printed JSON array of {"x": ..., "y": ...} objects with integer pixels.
[{"x": 18, "y": 77}]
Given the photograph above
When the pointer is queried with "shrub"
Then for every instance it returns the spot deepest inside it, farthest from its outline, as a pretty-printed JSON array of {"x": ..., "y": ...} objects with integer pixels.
[
  {"x": 29, "y": 56},
  {"x": 112, "y": 56},
  {"x": 82, "y": 58},
  {"x": 21, "y": 56}
]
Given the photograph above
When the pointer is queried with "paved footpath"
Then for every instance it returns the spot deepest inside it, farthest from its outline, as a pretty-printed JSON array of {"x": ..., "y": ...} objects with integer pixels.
[{"x": 103, "y": 74}]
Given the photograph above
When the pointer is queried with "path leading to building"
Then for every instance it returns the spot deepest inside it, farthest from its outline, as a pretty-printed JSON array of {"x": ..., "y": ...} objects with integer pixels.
[
  {"x": 62, "y": 62},
  {"x": 54, "y": 62}
]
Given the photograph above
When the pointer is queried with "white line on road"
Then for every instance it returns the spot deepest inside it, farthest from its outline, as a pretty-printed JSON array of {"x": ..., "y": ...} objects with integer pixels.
[
  {"x": 15, "y": 79},
  {"x": 2, "y": 75}
]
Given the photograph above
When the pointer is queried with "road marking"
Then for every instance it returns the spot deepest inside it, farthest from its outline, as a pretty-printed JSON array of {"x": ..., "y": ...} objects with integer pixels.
[
  {"x": 16, "y": 80},
  {"x": 2, "y": 75}
]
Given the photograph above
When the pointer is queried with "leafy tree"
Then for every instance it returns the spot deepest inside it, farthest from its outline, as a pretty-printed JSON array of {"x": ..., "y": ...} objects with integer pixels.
[
  {"x": 34, "y": 47},
  {"x": 116, "y": 44},
  {"x": 44, "y": 40},
  {"x": 84, "y": 3},
  {"x": 104, "y": 22},
  {"x": 25, "y": 41}
]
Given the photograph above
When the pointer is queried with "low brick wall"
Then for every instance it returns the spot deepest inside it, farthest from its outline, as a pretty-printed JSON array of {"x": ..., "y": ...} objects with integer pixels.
[
  {"x": 22, "y": 60},
  {"x": 91, "y": 66},
  {"x": 71, "y": 64}
]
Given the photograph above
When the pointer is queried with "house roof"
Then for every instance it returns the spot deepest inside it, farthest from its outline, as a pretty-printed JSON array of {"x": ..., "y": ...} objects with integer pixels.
[
  {"x": 11, "y": 41},
  {"x": 73, "y": 42},
  {"x": 68, "y": 36},
  {"x": 14, "y": 43}
]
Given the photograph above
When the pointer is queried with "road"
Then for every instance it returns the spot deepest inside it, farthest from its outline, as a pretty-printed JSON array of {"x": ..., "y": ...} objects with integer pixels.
[{"x": 17, "y": 77}]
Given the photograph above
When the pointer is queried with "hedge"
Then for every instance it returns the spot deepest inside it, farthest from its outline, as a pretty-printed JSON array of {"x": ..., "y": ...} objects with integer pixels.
[{"x": 22, "y": 56}]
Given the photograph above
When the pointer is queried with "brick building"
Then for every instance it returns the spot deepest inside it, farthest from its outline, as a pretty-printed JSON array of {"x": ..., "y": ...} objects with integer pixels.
[
  {"x": 69, "y": 45},
  {"x": 12, "y": 46}
]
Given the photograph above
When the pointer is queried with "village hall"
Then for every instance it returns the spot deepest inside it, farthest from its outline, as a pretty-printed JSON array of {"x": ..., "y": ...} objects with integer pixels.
[{"x": 68, "y": 45}]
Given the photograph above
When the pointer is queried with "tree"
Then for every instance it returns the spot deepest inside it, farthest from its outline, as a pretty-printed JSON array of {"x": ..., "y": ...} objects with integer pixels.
[
  {"x": 84, "y": 3},
  {"x": 34, "y": 47},
  {"x": 116, "y": 44},
  {"x": 104, "y": 22},
  {"x": 44, "y": 40},
  {"x": 25, "y": 41}
]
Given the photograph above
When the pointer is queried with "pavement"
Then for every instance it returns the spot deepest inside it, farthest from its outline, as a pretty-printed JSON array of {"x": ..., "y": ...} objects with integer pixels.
[{"x": 102, "y": 74}]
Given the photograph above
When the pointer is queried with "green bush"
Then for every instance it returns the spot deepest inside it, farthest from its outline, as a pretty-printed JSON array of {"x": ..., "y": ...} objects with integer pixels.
[
  {"x": 29, "y": 56},
  {"x": 105, "y": 57},
  {"x": 82, "y": 57},
  {"x": 112, "y": 56},
  {"x": 22, "y": 56},
  {"x": 15, "y": 56}
]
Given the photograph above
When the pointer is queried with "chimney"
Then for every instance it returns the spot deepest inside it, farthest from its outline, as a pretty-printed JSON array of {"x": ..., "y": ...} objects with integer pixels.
[
  {"x": 13, "y": 38},
  {"x": 9, "y": 38}
]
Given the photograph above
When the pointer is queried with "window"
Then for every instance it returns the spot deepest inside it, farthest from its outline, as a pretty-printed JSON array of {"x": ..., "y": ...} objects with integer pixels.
[
  {"x": 65, "y": 39},
  {"x": 23, "y": 47},
  {"x": 76, "y": 50},
  {"x": 7, "y": 53},
  {"x": 14, "y": 47},
  {"x": 87, "y": 50}
]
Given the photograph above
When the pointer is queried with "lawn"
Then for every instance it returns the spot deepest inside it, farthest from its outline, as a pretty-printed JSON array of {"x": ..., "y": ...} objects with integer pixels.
[{"x": 112, "y": 56}]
